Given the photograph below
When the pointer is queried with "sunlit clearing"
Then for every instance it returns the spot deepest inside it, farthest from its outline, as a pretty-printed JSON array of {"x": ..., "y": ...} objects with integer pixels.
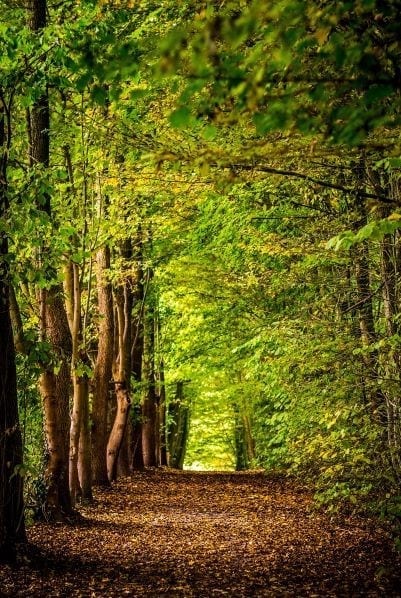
[{"x": 211, "y": 439}]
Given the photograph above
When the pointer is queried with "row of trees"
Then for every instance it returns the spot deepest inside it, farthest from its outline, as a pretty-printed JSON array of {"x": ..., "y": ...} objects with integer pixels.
[
  {"x": 170, "y": 177},
  {"x": 77, "y": 279}
]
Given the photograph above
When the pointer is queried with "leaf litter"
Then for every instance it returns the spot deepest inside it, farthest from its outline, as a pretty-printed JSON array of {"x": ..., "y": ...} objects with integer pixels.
[{"x": 165, "y": 533}]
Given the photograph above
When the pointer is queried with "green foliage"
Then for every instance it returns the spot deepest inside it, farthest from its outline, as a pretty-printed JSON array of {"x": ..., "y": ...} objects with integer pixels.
[
  {"x": 237, "y": 139},
  {"x": 374, "y": 231},
  {"x": 31, "y": 421}
]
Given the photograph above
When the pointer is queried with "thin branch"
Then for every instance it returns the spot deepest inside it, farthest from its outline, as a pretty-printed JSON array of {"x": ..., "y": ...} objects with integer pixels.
[
  {"x": 364, "y": 300},
  {"x": 281, "y": 217},
  {"x": 310, "y": 179},
  {"x": 303, "y": 205}
]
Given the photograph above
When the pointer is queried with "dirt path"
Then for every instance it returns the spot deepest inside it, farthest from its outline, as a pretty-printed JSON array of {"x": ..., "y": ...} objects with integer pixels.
[{"x": 237, "y": 535}]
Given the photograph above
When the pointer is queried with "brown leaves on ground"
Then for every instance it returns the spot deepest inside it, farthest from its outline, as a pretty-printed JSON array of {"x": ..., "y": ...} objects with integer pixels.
[{"x": 162, "y": 533}]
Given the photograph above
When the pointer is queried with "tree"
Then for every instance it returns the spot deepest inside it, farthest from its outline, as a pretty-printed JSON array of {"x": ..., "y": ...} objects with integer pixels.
[
  {"x": 178, "y": 428},
  {"x": 103, "y": 369},
  {"x": 54, "y": 386},
  {"x": 201, "y": 158},
  {"x": 12, "y": 528}
]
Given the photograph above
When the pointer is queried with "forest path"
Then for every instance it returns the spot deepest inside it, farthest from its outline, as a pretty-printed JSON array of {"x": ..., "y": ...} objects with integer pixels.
[{"x": 162, "y": 533}]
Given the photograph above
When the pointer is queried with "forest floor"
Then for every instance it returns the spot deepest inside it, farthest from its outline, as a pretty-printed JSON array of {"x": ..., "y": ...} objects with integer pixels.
[{"x": 162, "y": 533}]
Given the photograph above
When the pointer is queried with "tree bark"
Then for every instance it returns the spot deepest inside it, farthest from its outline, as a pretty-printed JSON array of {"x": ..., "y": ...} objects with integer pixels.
[
  {"x": 137, "y": 346},
  {"x": 249, "y": 440},
  {"x": 136, "y": 452},
  {"x": 11, "y": 499},
  {"x": 20, "y": 342},
  {"x": 122, "y": 369},
  {"x": 84, "y": 455},
  {"x": 368, "y": 336},
  {"x": 103, "y": 369},
  {"x": 12, "y": 528},
  {"x": 178, "y": 429},
  {"x": 389, "y": 275},
  {"x": 79, "y": 385},
  {"x": 162, "y": 417},
  {"x": 240, "y": 443},
  {"x": 149, "y": 406},
  {"x": 55, "y": 392},
  {"x": 80, "y": 455},
  {"x": 55, "y": 388},
  {"x": 118, "y": 429}
]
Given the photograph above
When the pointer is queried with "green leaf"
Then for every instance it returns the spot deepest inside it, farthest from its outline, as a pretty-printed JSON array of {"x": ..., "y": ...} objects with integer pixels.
[
  {"x": 209, "y": 133},
  {"x": 99, "y": 94},
  {"x": 180, "y": 118},
  {"x": 83, "y": 81}
]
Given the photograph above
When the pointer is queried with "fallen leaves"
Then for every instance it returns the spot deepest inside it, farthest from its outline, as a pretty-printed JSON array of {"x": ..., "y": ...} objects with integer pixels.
[{"x": 194, "y": 534}]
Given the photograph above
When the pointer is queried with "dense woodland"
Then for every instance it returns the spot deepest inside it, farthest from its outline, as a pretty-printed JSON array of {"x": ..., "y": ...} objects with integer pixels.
[{"x": 200, "y": 246}]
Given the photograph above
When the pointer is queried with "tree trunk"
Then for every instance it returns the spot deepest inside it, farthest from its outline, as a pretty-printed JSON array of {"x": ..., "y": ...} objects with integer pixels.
[
  {"x": 178, "y": 429},
  {"x": 75, "y": 431},
  {"x": 84, "y": 456},
  {"x": 79, "y": 386},
  {"x": 136, "y": 439},
  {"x": 123, "y": 465},
  {"x": 249, "y": 440},
  {"x": 12, "y": 529},
  {"x": 122, "y": 369},
  {"x": 124, "y": 460},
  {"x": 240, "y": 443},
  {"x": 162, "y": 417},
  {"x": 103, "y": 369},
  {"x": 149, "y": 427},
  {"x": 137, "y": 346},
  {"x": 80, "y": 456},
  {"x": 54, "y": 387},
  {"x": 118, "y": 430},
  {"x": 20, "y": 342},
  {"x": 55, "y": 392},
  {"x": 149, "y": 406},
  {"x": 11, "y": 500},
  {"x": 374, "y": 395},
  {"x": 389, "y": 275}
]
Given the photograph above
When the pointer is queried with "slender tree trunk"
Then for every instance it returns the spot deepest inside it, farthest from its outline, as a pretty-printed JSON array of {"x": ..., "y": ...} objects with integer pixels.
[
  {"x": 178, "y": 428},
  {"x": 149, "y": 426},
  {"x": 55, "y": 388},
  {"x": 136, "y": 452},
  {"x": 137, "y": 346},
  {"x": 122, "y": 369},
  {"x": 80, "y": 455},
  {"x": 390, "y": 265},
  {"x": 103, "y": 369},
  {"x": 118, "y": 429},
  {"x": 123, "y": 464},
  {"x": 162, "y": 417},
  {"x": 79, "y": 430},
  {"x": 240, "y": 442},
  {"x": 75, "y": 431},
  {"x": 389, "y": 276},
  {"x": 11, "y": 499},
  {"x": 12, "y": 529},
  {"x": 157, "y": 427},
  {"x": 55, "y": 392},
  {"x": 249, "y": 440},
  {"x": 149, "y": 406},
  {"x": 79, "y": 386},
  {"x": 85, "y": 456},
  {"x": 20, "y": 342},
  {"x": 124, "y": 460},
  {"x": 161, "y": 449},
  {"x": 374, "y": 395}
]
